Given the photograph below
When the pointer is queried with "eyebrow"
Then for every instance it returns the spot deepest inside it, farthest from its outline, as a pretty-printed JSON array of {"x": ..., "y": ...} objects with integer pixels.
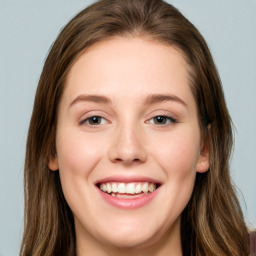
[
  {"x": 157, "y": 98},
  {"x": 90, "y": 98},
  {"x": 150, "y": 100}
]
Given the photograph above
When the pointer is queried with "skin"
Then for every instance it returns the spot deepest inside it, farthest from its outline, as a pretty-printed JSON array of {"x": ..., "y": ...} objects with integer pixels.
[{"x": 128, "y": 142}]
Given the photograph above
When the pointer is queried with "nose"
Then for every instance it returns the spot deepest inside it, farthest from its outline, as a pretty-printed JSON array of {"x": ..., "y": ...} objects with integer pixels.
[{"x": 127, "y": 147}]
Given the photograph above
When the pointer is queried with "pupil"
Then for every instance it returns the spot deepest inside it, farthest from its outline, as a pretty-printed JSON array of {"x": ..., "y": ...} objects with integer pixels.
[
  {"x": 160, "y": 119},
  {"x": 95, "y": 120}
]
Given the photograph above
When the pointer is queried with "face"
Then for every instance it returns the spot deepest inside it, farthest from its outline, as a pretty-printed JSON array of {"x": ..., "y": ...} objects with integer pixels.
[{"x": 128, "y": 144}]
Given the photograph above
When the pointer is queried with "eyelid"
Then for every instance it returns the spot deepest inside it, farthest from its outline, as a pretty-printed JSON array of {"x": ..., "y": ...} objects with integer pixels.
[
  {"x": 95, "y": 113},
  {"x": 88, "y": 119},
  {"x": 162, "y": 112},
  {"x": 171, "y": 120}
]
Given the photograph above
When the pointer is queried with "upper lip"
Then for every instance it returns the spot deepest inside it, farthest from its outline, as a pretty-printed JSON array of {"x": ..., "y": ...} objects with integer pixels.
[{"x": 127, "y": 179}]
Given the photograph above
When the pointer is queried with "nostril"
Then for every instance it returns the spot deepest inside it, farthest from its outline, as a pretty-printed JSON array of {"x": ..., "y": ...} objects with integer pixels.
[{"x": 127, "y": 160}]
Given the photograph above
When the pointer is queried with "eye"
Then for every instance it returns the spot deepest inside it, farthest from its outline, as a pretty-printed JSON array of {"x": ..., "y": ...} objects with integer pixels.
[
  {"x": 162, "y": 120},
  {"x": 94, "y": 120}
]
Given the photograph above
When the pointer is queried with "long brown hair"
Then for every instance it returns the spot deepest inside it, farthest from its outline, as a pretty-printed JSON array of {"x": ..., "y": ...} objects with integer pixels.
[{"x": 212, "y": 222}]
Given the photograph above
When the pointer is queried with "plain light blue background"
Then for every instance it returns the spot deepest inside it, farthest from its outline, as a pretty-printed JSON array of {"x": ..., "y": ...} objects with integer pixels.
[{"x": 29, "y": 27}]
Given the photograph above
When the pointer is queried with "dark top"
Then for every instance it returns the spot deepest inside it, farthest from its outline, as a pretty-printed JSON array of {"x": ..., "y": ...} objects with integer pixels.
[{"x": 253, "y": 243}]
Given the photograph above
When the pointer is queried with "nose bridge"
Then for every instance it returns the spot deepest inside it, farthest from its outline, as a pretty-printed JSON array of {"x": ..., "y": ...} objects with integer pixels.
[{"x": 127, "y": 143}]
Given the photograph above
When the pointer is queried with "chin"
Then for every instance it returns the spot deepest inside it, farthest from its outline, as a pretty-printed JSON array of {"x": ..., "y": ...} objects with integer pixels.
[
  {"x": 133, "y": 235},
  {"x": 129, "y": 240}
]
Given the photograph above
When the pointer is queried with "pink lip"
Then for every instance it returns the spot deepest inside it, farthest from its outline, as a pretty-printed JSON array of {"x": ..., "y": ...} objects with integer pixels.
[
  {"x": 131, "y": 203},
  {"x": 127, "y": 179}
]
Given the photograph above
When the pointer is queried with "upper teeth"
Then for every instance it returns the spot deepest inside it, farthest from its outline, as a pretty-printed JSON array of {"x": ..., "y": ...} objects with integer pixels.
[{"x": 127, "y": 188}]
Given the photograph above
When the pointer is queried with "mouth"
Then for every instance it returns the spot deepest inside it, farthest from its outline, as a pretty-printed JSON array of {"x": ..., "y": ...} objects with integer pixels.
[{"x": 129, "y": 190}]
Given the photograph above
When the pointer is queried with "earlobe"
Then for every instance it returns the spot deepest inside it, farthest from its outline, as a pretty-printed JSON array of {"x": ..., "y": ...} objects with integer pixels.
[
  {"x": 203, "y": 162},
  {"x": 53, "y": 164}
]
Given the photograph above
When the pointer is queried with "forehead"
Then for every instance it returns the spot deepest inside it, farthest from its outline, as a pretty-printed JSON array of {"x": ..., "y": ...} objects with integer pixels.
[{"x": 129, "y": 66}]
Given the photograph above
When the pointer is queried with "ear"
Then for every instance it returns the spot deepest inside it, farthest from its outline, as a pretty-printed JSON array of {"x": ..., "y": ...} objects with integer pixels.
[
  {"x": 53, "y": 163},
  {"x": 203, "y": 162}
]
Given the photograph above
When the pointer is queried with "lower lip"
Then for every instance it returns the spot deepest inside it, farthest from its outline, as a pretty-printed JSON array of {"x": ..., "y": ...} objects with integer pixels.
[{"x": 131, "y": 203}]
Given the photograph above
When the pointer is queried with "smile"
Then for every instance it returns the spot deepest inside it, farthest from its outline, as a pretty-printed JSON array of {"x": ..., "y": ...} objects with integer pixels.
[
  {"x": 128, "y": 195},
  {"x": 127, "y": 190}
]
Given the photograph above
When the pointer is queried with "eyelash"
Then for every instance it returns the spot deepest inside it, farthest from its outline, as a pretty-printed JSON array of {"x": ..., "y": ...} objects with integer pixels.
[
  {"x": 88, "y": 119},
  {"x": 167, "y": 120}
]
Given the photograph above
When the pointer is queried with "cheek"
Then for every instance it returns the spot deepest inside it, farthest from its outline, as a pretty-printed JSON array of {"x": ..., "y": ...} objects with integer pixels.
[
  {"x": 179, "y": 153},
  {"x": 178, "y": 157},
  {"x": 77, "y": 157},
  {"x": 76, "y": 154}
]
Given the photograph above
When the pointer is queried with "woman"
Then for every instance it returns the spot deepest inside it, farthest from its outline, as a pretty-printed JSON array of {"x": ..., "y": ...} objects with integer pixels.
[{"x": 129, "y": 141}]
